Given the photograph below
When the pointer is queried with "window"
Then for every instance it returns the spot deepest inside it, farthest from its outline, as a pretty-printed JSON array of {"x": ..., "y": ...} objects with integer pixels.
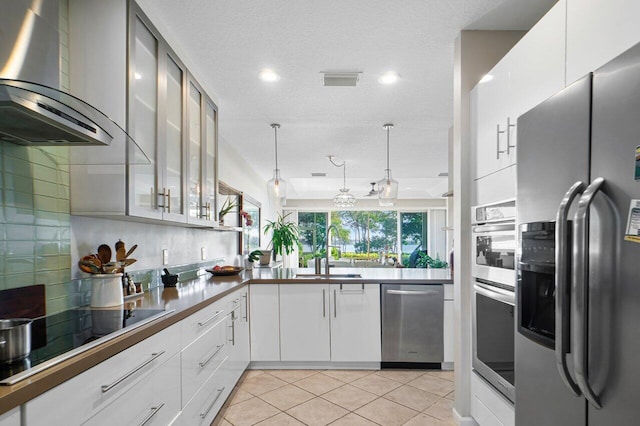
[{"x": 374, "y": 238}]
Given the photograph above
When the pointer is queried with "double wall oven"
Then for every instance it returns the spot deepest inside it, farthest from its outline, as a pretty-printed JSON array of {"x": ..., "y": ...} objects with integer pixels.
[{"x": 494, "y": 277}]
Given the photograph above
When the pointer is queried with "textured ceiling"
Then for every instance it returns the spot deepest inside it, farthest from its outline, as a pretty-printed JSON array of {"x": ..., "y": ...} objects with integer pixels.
[{"x": 229, "y": 42}]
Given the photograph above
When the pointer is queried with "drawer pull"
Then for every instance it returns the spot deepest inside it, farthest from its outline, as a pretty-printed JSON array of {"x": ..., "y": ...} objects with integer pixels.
[
  {"x": 233, "y": 332},
  {"x": 205, "y": 322},
  {"x": 206, "y": 361},
  {"x": 203, "y": 415},
  {"x": 154, "y": 356},
  {"x": 154, "y": 411}
]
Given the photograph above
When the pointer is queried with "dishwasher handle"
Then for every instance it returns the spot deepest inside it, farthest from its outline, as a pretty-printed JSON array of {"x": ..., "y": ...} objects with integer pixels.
[{"x": 414, "y": 292}]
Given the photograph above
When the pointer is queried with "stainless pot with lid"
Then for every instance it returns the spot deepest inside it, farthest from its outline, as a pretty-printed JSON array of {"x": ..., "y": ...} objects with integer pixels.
[{"x": 15, "y": 339}]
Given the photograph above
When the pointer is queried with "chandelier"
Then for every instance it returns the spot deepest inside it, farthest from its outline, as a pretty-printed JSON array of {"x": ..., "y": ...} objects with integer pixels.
[{"x": 343, "y": 199}]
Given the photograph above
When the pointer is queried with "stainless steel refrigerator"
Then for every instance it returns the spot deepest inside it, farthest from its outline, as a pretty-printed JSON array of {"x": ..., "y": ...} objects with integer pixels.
[{"x": 578, "y": 283}]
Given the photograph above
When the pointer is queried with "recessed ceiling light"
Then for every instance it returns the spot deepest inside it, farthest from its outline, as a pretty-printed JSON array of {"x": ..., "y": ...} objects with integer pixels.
[
  {"x": 137, "y": 76},
  {"x": 485, "y": 78},
  {"x": 389, "y": 77},
  {"x": 268, "y": 75}
]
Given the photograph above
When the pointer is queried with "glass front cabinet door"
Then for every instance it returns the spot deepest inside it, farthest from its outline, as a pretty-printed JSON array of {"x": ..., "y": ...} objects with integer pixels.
[
  {"x": 202, "y": 156},
  {"x": 157, "y": 121}
]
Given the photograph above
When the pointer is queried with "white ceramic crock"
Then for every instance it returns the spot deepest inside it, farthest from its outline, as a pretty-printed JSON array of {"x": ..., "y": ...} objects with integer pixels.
[{"x": 106, "y": 290}]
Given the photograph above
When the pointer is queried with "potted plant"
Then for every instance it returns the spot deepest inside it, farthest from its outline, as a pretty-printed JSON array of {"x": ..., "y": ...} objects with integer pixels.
[
  {"x": 252, "y": 257},
  {"x": 284, "y": 235}
]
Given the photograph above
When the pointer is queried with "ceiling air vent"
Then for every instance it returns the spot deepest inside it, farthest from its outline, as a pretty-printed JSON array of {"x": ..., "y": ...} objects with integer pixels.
[
  {"x": 315, "y": 174},
  {"x": 341, "y": 79}
]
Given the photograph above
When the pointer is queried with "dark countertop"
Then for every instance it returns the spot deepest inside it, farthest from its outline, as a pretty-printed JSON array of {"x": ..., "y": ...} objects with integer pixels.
[{"x": 187, "y": 298}]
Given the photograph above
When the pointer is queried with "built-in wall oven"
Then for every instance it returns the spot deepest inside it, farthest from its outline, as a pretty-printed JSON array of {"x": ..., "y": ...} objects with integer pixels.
[
  {"x": 493, "y": 302},
  {"x": 494, "y": 239},
  {"x": 493, "y": 335}
]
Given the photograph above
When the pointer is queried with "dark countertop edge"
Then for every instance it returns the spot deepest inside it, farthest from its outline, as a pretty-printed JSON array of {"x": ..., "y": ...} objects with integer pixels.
[{"x": 36, "y": 385}]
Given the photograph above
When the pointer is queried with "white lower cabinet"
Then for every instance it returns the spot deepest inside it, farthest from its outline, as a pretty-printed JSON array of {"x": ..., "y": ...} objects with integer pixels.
[
  {"x": 488, "y": 406},
  {"x": 78, "y": 399},
  {"x": 11, "y": 418},
  {"x": 315, "y": 323},
  {"x": 155, "y": 400},
  {"x": 265, "y": 322},
  {"x": 304, "y": 322},
  {"x": 239, "y": 328},
  {"x": 355, "y": 323},
  {"x": 203, "y": 407},
  {"x": 181, "y": 375}
]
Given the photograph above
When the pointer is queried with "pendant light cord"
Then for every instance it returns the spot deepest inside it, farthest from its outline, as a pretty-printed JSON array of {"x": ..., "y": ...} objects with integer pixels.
[
  {"x": 344, "y": 171},
  {"x": 275, "y": 129}
]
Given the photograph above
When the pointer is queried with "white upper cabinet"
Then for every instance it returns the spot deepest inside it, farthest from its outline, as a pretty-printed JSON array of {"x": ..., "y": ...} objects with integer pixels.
[
  {"x": 533, "y": 70},
  {"x": 489, "y": 106},
  {"x": 156, "y": 122},
  {"x": 168, "y": 114},
  {"x": 202, "y": 156},
  {"x": 598, "y": 31}
]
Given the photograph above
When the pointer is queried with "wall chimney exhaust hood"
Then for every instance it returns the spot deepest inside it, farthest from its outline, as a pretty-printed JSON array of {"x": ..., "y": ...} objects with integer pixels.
[{"x": 50, "y": 120}]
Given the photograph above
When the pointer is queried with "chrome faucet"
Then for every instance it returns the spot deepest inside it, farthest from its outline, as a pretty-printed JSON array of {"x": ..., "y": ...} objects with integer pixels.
[{"x": 327, "y": 242}]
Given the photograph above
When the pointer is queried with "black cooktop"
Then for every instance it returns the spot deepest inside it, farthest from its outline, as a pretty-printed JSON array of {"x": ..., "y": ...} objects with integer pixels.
[{"x": 55, "y": 335}]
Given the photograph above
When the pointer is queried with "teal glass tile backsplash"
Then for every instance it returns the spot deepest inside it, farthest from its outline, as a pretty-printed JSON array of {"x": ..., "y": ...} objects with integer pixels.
[{"x": 35, "y": 225}]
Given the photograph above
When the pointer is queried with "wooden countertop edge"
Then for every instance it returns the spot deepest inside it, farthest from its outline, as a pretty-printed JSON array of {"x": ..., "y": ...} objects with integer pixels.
[{"x": 32, "y": 387}]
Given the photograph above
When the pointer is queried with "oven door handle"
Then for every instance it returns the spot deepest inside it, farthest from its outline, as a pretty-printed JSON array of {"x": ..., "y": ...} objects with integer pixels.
[
  {"x": 563, "y": 292},
  {"x": 494, "y": 228},
  {"x": 495, "y": 293}
]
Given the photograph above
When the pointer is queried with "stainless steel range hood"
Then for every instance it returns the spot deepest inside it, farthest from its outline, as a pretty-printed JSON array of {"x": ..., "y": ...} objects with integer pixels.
[
  {"x": 30, "y": 118},
  {"x": 35, "y": 115}
]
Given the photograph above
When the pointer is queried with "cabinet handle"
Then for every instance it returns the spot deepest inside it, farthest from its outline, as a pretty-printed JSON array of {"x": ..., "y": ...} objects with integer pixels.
[
  {"x": 509, "y": 126},
  {"x": 154, "y": 411},
  {"x": 498, "y": 150},
  {"x": 207, "y": 321},
  {"x": 203, "y": 415},
  {"x": 208, "y": 210},
  {"x": 163, "y": 194},
  {"x": 233, "y": 332},
  {"x": 168, "y": 200},
  {"x": 154, "y": 356},
  {"x": 351, "y": 291},
  {"x": 246, "y": 308},
  {"x": 213, "y": 355},
  {"x": 151, "y": 195},
  {"x": 335, "y": 304},
  {"x": 233, "y": 312},
  {"x": 324, "y": 304}
]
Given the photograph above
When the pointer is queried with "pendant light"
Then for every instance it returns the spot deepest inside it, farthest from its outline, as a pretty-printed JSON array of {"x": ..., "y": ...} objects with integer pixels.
[
  {"x": 343, "y": 199},
  {"x": 276, "y": 186},
  {"x": 387, "y": 186}
]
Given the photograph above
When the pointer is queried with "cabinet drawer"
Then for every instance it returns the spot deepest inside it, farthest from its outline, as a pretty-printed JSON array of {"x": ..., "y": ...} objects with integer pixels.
[
  {"x": 203, "y": 357},
  {"x": 155, "y": 400},
  {"x": 200, "y": 322},
  {"x": 204, "y": 406},
  {"x": 75, "y": 400}
]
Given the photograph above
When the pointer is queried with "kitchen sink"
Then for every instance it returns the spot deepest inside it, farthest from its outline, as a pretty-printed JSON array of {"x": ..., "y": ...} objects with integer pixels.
[{"x": 325, "y": 276}]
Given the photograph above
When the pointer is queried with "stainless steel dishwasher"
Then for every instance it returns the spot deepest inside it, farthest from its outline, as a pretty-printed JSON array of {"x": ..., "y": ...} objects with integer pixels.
[{"x": 412, "y": 325}]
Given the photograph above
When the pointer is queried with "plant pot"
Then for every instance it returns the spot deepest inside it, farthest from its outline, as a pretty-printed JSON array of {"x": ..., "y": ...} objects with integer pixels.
[{"x": 265, "y": 257}]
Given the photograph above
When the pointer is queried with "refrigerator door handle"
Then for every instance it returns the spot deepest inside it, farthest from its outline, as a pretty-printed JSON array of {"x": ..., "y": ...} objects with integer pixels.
[
  {"x": 580, "y": 290},
  {"x": 563, "y": 302}
]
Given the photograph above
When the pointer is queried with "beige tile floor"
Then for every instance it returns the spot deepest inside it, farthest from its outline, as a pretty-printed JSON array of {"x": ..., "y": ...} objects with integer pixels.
[{"x": 341, "y": 398}]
